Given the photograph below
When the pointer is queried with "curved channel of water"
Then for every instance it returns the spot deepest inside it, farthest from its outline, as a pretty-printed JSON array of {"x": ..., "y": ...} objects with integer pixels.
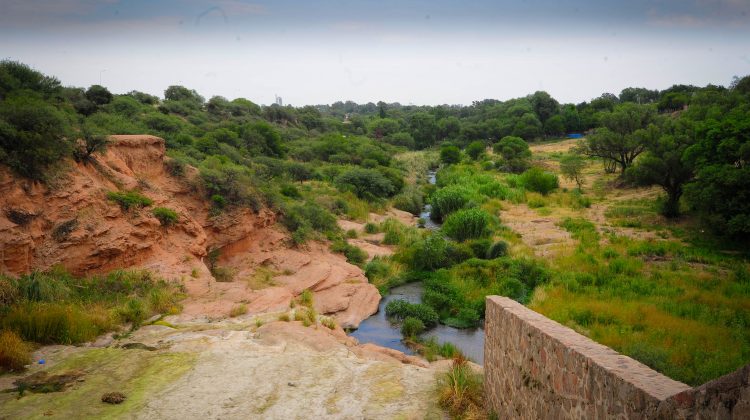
[{"x": 377, "y": 329}]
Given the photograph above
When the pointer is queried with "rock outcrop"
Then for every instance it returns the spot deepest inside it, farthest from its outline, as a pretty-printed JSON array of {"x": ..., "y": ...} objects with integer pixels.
[{"x": 72, "y": 224}]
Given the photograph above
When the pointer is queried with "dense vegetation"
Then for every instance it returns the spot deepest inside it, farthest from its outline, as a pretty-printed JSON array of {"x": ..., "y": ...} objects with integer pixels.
[
  {"x": 676, "y": 299},
  {"x": 58, "y": 308}
]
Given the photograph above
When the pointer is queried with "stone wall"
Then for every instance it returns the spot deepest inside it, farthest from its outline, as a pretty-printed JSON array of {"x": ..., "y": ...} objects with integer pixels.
[{"x": 536, "y": 368}]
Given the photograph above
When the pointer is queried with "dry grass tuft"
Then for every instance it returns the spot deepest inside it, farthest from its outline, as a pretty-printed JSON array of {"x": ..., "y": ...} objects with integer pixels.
[
  {"x": 14, "y": 353},
  {"x": 460, "y": 391}
]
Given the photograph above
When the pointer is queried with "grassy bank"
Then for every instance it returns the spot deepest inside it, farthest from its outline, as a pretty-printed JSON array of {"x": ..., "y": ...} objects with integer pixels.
[{"x": 56, "y": 307}]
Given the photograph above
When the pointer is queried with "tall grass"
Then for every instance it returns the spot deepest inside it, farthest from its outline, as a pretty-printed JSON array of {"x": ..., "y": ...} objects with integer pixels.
[
  {"x": 57, "y": 308},
  {"x": 14, "y": 353},
  {"x": 460, "y": 391}
]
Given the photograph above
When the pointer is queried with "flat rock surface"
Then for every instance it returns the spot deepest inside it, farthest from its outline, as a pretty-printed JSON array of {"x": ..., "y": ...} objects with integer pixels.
[{"x": 233, "y": 369}]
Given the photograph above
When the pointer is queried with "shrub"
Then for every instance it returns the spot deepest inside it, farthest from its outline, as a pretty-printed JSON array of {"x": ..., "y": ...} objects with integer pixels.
[
  {"x": 290, "y": 191},
  {"x": 129, "y": 199},
  {"x": 447, "y": 200},
  {"x": 14, "y": 353},
  {"x": 426, "y": 254},
  {"x": 410, "y": 200},
  {"x": 498, "y": 249},
  {"x": 401, "y": 309},
  {"x": 411, "y": 327},
  {"x": 536, "y": 179},
  {"x": 33, "y": 135},
  {"x": 467, "y": 224},
  {"x": 354, "y": 254},
  {"x": 480, "y": 247},
  {"x": 371, "y": 228},
  {"x": 515, "y": 153},
  {"x": 166, "y": 216},
  {"x": 450, "y": 154},
  {"x": 309, "y": 215},
  {"x": 366, "y": 183},
  {"x": 475, "y": 149}
]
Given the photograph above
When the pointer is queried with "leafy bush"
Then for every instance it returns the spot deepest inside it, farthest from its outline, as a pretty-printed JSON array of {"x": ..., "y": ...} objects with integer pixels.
[
  {"x": 371, "y": 228},
  {"x": 411, "y": 327},
  {"x": 475, "y": 149},
  {"x": 426, "y": 254},
  {"x": 354, "y": 254},
  {"x": 33, "y": 135},
  {"x": 467, "y": 224},
  {"x": 290, "y": 191},
  {"x": 447, "y": 200},
  {"x": 366, "y": 183},
  {"x": 480, "y": 247},
  {"x": 536, "y": 179},
  {"x": 14, "y": 353},
  {"x": 301, "y": 219},
  {"x": 129, "y": 199},
  {"x": 409, "y": 200},
  {"x": 166, "y": 216},
  {"x": 515, "y": 153},
  {"x": 450, "y": 154},
  {"x": 498, "y": 249},
  {"x": 401, "y": 309}
]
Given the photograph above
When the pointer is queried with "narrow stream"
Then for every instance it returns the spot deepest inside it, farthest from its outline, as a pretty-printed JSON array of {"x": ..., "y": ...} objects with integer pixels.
[{"x": 377, "y": 329}]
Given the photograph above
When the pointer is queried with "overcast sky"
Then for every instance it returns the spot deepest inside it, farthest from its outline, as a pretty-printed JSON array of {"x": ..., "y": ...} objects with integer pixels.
[{"x": 422, "y": 52}]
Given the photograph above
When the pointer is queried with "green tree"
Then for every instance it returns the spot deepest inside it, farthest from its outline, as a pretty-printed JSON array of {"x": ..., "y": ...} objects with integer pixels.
[
  {"x": 18, "y": 76},
  {"x": 449, "y": 128},
  {"x": 555, "y": 126},
  {"x": 99, "y": 95},
  {"x": 544, "y": 106},
  {"x": 571, "y": 166},
  {"x": 621, "y": 137},
  {"x": 89, "y": 143},
  {"x": 33, "y": 135},
  {"x": 384, "y": 127},
  {"x": 181, "y": 93},
  {"x": 423, "y": 128},
  {"x": 366, "y": 183},
  {"x": 720, "y": 155},
  {"x": 262, "y": 138},
  {"x": 664, "y": 164}
]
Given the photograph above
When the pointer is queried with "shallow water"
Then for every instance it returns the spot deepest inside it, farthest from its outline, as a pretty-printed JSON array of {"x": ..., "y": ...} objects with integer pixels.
[{"x": 378, "y": 330}]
